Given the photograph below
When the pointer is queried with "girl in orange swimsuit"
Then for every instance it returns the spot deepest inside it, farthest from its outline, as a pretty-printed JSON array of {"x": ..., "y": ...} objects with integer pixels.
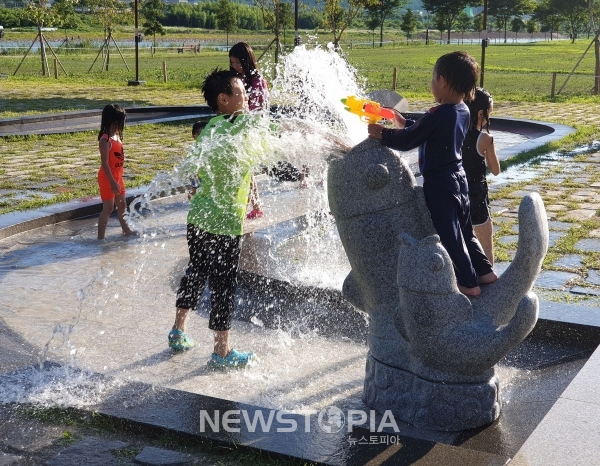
[{"x": 110, "y": 175}]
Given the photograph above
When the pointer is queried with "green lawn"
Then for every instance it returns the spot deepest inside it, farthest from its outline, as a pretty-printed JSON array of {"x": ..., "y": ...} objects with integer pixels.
[
  {"x": 519, "y": 77},
  {"x": 512, "y": 72}
]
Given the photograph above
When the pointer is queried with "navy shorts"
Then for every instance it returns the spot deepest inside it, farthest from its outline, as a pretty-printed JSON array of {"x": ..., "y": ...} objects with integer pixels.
[{"x": 480, "y": 203}]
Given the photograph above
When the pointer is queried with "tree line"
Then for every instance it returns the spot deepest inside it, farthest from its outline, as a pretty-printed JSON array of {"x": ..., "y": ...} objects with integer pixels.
[{"x": 334, "y": 16}]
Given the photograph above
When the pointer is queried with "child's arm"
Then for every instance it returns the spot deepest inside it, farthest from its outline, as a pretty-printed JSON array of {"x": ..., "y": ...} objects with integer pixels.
[
  {"x": 399, "y": 121},
  {"x": 375, "y": 130},
  {"x": 260, "y": 94},
  {"x": 104, "y": 148},
  {"x": 486, "y": 146}
]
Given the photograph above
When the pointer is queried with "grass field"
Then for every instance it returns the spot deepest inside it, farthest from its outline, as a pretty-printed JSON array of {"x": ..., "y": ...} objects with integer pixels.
[
  {"x": 512, "y": 71},
  {"x": 40, "y": 170}
]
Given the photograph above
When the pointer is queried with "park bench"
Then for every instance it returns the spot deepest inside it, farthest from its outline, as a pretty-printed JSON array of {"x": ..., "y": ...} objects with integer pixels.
[{"x": 191, "y": 47}]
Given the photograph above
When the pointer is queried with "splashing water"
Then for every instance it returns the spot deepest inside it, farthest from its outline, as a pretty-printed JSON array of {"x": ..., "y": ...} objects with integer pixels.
[
  {"x": 125, "y": 288},
  {"x": 53, "y": 385},
  {"x": 313, "y": 81},
  {"x": 111, "y": 292}
]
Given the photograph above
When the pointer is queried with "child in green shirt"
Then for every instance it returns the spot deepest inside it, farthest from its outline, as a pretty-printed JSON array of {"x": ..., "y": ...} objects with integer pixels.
[{"x": 229, "y": 147}]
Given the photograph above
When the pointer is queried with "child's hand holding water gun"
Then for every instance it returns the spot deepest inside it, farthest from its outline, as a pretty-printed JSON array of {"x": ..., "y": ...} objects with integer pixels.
[{"x": 372, "y": 112}]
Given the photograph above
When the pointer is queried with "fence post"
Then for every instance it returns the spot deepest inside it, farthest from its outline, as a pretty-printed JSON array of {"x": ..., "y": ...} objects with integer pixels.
[
  {"x": 55, "y": 68},
  {"x": 164, "y": 71},
  {"x": 394, "y": 79},
  {"x": 553, "y": 85}
]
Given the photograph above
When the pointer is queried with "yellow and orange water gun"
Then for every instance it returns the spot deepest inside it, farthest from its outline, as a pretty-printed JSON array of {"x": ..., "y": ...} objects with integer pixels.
[{"x": 367, "y": 110}]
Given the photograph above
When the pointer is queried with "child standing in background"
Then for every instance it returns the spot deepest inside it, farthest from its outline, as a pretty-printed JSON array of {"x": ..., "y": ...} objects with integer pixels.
[
  {"x": 477, "y": 152},
  {"x": 440, "y": 134},
  {"x": 197, "y": 128},
  {"x": 243, "y": 62},
  {"x": 110, "y": 175}
]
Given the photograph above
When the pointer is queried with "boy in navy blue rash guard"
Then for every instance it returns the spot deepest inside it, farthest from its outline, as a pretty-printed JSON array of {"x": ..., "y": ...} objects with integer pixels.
[{"x": 439, "y": 134}]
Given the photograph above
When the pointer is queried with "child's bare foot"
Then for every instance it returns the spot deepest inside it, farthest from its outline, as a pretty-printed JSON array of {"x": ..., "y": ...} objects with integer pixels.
[
  {"x": 487, "y": 278},
  {"x": 473, "y": 292}
]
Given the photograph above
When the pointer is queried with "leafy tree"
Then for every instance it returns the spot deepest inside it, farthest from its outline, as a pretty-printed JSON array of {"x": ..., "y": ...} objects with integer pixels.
[
  {"x": 110, "y": 13},
  {"x": 286, "y": 17},
  {"x": 516, "y": 25},
  {"x": 447, "y": 11},
  {"x": 503, "y": 10},
  {"x": 372, "y": 23},
  {"x": 9, "y": 17},
  {"x": 40, "y": 14},
  {"x": 267, "y": 9},
  {"x": 548, "y": 16},
  {"x": 153, "y": 13},
  {"x": 409, "y": 23},
  {"x": 226, "y": 17},
  {"x": 65, "y": 14},
  {"x": 339, "y": 15},
  {"x": 531, "y": 26},
  {"x": 575, "y": 14},
  {"x": 381, "y": 10},
  {"x": 463, "y": 22},
  {"x": 478, "y": 23},
  {"x": 440, "y": 22},
  {"x": 310, "y": 19}
]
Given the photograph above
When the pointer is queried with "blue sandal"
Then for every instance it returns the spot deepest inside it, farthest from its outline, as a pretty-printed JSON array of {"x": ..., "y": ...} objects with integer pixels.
[
  {"x": 234, "y": 360},
  {"x": 180, "y": 341}
]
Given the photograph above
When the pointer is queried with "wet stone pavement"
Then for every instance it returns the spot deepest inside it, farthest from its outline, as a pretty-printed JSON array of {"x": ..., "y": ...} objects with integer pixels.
[
  {"x": 32, "y": 438},
  {"x": 569, "y": 185}
]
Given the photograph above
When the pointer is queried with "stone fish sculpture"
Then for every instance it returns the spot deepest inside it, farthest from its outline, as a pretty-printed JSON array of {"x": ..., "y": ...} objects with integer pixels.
[{"x": 432, "y": 350}]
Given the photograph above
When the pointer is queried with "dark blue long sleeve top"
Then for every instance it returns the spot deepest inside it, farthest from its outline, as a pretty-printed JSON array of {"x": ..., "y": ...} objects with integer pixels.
[{"x": 439, "y": 135}]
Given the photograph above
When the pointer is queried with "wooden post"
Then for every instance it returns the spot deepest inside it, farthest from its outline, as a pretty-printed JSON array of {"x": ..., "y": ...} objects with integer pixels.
[
  {"x": 553, "y": 85},
  {"x": 164, "y": 71},
  {"x": 55, "y": 68},
  {"x": 394, "y": 79}
]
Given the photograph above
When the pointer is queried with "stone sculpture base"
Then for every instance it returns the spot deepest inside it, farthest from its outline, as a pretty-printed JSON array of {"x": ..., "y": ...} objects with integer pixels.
[{"x": 427, "y": 404}]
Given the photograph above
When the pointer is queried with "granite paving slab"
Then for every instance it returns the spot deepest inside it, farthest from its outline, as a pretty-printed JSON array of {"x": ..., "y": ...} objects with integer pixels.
[
  {"x": 556, "y": 208},
  {"x": 554, "y": 236},
  {"x": 588, "y": 244},
  {"x": 508, "y": 239},
  {"x": 589, "y": 206},
  {"x": 561, "y": 226},
  {"x": 519, "y": 193},
  {"x": 555, "y": 180},
  {"x": 551, "y": 193},
  {"x": 572, "y": 261},
  {"x": 585, "y": 291},
  {"x": 553, "y": 280},
  {"x": 580, "y": 214},
  {"x": 593, "y": 277}
]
